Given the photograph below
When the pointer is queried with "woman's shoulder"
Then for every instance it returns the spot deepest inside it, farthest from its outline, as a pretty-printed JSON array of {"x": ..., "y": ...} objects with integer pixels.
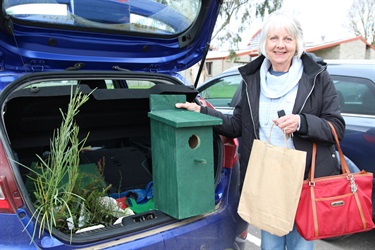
[
  {"x": 251, "y": 67},
  {"x": 314, "y": 67}
]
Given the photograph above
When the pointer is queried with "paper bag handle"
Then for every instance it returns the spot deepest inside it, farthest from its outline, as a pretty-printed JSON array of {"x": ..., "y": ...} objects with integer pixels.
[{"x": 269, "y": 137}]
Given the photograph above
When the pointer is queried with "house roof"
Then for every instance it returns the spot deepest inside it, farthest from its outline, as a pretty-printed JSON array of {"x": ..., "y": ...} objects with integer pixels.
[
  {"x": 217, "y": 55},
  {"x": 311, "y": 48}
]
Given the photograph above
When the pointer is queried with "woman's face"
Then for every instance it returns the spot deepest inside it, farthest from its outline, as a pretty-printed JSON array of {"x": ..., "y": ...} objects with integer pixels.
[{"x": 280, "y": 47}]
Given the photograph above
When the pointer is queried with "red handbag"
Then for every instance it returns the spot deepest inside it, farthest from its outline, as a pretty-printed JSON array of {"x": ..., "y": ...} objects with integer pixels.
[{"x": 335, "y": 205}]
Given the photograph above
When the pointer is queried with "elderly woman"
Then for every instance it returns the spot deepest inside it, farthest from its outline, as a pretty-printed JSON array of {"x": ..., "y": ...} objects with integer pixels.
[{"x": 285, "y": 78}]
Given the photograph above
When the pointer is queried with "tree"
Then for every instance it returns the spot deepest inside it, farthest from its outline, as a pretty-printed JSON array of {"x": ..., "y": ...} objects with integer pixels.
[
  {"x": 242, "y": 13},
  {"x": 362, "y": 19}
]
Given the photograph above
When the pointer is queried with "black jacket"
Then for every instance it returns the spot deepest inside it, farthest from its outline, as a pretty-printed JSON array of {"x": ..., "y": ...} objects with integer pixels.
[{"x": 316, "y": 102}]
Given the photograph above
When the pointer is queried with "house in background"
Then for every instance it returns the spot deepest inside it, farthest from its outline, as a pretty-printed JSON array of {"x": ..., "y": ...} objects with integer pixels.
[{"x": 356, "y": 48}]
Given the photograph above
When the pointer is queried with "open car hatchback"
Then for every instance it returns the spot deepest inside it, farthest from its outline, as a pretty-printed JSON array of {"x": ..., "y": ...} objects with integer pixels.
[{"x": 79, "y": 176}]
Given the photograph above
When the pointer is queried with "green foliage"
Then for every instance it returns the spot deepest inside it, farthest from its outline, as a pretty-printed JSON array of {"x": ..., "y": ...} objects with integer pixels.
[
  {"x": 53, "y": 197},
  {"x": 92, "y": 210},
  {"x": 266, "y": 7},
  {"x": 243, "y": 13},
  {"x": 65, "y": 197},
  {"x": 232, "y": 55}
]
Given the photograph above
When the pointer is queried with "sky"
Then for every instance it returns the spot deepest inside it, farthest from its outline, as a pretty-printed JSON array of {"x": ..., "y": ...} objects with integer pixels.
[
  {"x": 321, "y": 17},
  {"x": 318, "y": 18}
]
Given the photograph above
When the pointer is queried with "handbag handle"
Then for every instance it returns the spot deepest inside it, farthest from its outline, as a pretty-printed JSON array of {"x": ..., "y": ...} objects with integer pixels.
[{"x": 344, "y": 165}]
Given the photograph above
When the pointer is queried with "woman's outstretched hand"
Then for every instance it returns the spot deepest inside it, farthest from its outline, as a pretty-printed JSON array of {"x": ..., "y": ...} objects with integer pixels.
[{"x": 189, "y": 106}]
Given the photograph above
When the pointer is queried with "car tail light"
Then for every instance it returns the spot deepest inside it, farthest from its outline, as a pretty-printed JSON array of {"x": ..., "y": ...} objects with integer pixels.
[
  {"x": 369, "y": 138},
  {"x": 10, "y": 198},
  {"x": 243, "y": 235},
  {"x": 230, "y": 152},
  {"x": 6, "y": 201},
  {"x": 230, "y": 145},
  {"x": 241, "y": 239}
]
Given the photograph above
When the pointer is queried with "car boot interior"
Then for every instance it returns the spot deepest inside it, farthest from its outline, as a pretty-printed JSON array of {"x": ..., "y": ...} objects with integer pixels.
[{"x": 118, "y": 130}]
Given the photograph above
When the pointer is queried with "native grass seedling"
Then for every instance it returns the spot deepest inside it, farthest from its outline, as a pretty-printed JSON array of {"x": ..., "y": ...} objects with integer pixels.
[{"x": 64, "y": 197}]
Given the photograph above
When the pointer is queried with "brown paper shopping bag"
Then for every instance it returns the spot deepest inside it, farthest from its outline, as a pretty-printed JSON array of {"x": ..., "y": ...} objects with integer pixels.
[{"x": 272, "y": 187}]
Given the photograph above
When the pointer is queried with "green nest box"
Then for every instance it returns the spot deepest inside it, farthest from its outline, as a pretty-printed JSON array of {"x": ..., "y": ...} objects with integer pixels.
[{"x": 182, "y": 158}]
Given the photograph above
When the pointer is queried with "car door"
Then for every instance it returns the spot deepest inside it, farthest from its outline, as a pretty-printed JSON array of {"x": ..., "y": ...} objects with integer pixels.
[{"x": 223, "y": 91}]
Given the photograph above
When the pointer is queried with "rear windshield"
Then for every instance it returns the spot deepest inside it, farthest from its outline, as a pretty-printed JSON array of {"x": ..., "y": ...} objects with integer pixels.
[{"x": 146, "y": 16}]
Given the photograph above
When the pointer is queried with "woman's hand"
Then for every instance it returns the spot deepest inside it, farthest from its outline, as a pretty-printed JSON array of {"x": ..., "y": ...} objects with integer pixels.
[
  {"x": 288, "y": 123},
  {"x": 189, "y": 106}
]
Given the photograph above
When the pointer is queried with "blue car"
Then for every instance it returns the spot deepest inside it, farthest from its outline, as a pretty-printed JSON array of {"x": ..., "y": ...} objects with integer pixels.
[
  {"x": 355, "y": 85},
  {"x": 121, "y": 54}
]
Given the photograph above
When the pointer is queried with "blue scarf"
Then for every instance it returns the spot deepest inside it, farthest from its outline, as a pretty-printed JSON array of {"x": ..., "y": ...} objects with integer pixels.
[{"x": 277, "y": 86}]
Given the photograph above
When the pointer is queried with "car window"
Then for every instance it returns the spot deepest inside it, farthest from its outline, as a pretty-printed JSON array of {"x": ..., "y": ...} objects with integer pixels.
[
  {"x": 101, "y": 83},
  {"x": 357, "y": 95},
  {"x": 92, "y": 83},
  {"x": 149, "y": 16},
  {"x": 221, "y": 91},
  {"x": 136, "y": 84}
]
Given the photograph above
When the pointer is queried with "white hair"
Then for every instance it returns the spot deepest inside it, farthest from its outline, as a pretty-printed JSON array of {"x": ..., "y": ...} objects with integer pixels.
[{"x": 282, "y": 19}]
